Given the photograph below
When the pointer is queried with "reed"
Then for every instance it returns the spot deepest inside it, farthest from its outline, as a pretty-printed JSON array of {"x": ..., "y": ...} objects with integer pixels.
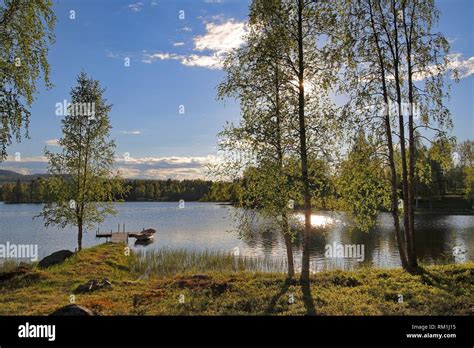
[{"x": 164, "y": 262}]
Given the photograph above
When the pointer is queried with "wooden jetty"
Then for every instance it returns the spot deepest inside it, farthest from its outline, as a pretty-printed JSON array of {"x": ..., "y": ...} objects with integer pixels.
[
  {"x": 122, "y": 237},
  {"x": 119, "y": 237}
]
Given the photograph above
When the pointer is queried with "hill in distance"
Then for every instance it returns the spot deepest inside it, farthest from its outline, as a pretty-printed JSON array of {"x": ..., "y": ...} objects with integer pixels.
[{"x": 11, "y": 176}]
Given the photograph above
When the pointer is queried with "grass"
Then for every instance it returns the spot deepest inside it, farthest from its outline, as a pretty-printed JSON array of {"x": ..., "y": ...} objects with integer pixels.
[
  {"x": 166, "y": 262},
  {"x": 8, "y": 265},
  {"x": 229, "y": 287}
]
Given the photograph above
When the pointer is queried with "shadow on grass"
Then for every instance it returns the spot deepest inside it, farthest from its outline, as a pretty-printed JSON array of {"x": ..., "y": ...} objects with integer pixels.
[
  {"x": 308, "y": 298},
  {"x": 283, "y": 289},
  {"x": 450, "y": 281}
]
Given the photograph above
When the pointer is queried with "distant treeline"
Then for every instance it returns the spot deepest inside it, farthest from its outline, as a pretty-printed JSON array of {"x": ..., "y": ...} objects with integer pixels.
[
  {"x": 34, "y": 191},
  {"x": 440, "y": 184}
]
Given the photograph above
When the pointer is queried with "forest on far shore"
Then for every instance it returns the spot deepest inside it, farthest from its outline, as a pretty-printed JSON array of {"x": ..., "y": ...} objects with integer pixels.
[
  {"x": 34, "y": 191},
  {"x": 442, "y": 184}
]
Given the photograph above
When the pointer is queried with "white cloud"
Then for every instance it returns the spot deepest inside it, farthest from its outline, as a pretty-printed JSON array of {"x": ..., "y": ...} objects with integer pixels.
[
  {"x": 165, "y": 161},
  {"x": 26, "y": 165},
  {"x": 456, "y": 61},
  {"x": 210, "y": 62},
  {"x": 136, "y": 7},
  {"x": 149, "y": 58},
  {"x": 177, "y": 44},
  {"x": 19, "y": 170},
  {"x": 174, "y": 167},
  {"x": 127, "y": 172},
  {"x": 52, "y": 142},
  {"x": 179, "y": 174},
  {"x": 465, "y": 67},
  {"x": 218, "y": 41},
  {"x": 221, "y": 37},
  {"x": 26, "y": 159},
  {"x": 131, "y": 132},
  {"x": 164, "y": 167}
]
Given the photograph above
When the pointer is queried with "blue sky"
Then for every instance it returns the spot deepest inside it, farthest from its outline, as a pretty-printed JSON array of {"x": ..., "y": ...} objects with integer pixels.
[{"x": 174, "y": 62}]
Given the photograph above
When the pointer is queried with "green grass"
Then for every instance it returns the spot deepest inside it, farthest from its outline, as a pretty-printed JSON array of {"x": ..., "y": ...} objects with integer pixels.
[{"x": 224, "y": 288}]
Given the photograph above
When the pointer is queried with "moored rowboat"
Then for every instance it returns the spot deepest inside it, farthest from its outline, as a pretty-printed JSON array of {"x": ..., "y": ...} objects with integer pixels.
[{"x": 145, "y": 234}]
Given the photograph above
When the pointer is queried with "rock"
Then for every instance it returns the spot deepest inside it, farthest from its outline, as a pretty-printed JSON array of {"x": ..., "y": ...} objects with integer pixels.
[
  {"x": 93, "y": 285},
  {"x": 200, "y": 276},
  {"x": 19, "y": 271},
  {"x": 345, "y": 281},
  {"x": 19, "y": 277},
  {"x": 73, "y": 309},
  {"x": 219, "y": 288},
  {"x": 55, "y": 258}
]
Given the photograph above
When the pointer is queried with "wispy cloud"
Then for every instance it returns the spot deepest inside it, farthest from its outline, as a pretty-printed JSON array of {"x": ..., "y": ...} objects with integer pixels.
[
  {"x": 137, "y": 7},
  {"x": 52, "y": 142},
  {"x": 111, "y": 54},
  {"x": 149, "y": 58},
  {"x": 177, "y": 44},
  {"x": 131, "y": 132},
  {"x": 218, "y": 41},
  {"x": 119, "y": 54}
]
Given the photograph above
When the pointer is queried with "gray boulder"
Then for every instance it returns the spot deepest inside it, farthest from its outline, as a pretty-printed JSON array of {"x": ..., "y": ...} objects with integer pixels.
[
  {"x": 55, "y": 258},
  {"x": 73, "y": 310}
]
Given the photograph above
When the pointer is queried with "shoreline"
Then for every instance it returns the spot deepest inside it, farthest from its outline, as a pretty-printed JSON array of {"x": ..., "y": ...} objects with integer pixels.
[
  {"x": 439, "y": 290},
  {"x": 298, "y": 210}
]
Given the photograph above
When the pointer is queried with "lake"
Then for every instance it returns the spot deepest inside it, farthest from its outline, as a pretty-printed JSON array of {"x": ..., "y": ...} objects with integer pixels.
[{"x": 201, "y": 226}]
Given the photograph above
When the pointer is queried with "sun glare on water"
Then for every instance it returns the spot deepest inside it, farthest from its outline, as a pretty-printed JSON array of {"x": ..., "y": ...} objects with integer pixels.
[{"x": 318, "y": 220}]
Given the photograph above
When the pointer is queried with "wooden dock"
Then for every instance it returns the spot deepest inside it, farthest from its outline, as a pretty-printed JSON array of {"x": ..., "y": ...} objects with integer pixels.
[
  {"x": 114, "y": 237},
  {"x": 117, "y": 237}
]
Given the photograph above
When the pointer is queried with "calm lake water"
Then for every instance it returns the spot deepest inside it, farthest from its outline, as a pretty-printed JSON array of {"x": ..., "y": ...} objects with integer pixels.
[{"x": 201, "y": 226}]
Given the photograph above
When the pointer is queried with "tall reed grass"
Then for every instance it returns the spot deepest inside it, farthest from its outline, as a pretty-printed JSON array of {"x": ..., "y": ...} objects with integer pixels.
[{"x": 164, "y": 262}]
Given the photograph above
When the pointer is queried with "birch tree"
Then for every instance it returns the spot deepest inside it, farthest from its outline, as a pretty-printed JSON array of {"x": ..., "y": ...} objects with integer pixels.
[
  {"x": 83, "y": 184},
  {"x": 256, "y": 77},
  {"x": 26, "y": 29},
  {"x": 395, "y": 59}
]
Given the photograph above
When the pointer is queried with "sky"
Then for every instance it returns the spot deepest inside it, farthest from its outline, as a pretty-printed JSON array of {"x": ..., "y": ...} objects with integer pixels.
[{"x": 160, "y": 63}]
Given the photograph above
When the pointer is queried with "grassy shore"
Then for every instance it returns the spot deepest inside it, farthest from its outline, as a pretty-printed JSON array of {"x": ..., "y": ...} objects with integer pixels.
[{"x": 138, "y": 289}]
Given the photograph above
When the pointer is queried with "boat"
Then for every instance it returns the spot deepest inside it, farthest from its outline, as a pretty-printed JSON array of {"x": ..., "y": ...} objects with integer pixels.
[
  {"x": 145, "y": 234},
  {"x": 143, "y": 242}
]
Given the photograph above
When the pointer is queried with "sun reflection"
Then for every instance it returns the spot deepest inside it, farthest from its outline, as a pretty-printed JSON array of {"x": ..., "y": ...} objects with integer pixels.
[{"x": 318, "y": 220}]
